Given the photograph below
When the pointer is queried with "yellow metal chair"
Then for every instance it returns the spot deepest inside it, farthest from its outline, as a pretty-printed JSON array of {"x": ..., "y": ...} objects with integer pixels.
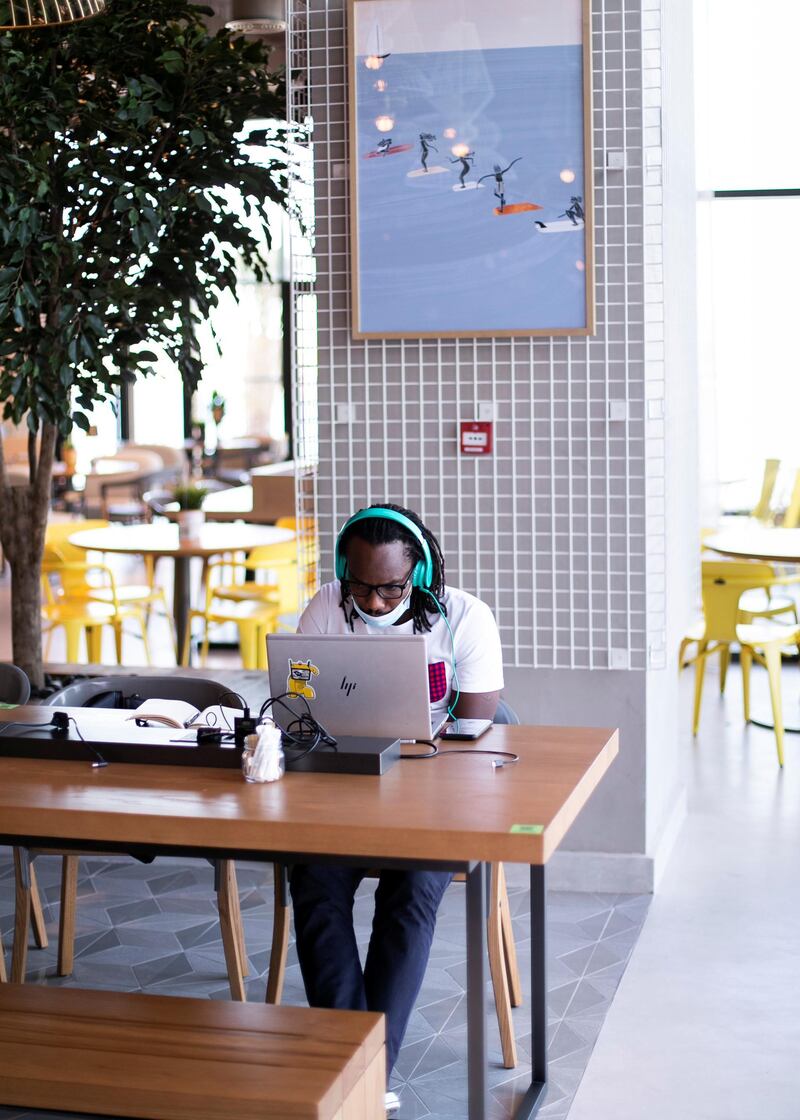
[
  {"x": 79, "y": 586},
  {"x": 79, "y": 616},
  {"x": 762, "y": 510},
  {"x": 273, "y": 569},
  {"x": 727, "y": 620},
  {"x": 791, "y": 516},
  {"x": 254, "y": 618}
]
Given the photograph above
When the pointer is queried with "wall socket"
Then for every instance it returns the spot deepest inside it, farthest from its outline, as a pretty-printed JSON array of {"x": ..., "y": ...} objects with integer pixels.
[
  {"x": 618, "y": 410},
  {"x": 619, "y": 659},
  {"x": 345, "y": 413},
  {"x": 616, "y": 161},
  {"x": 485, "y": 411}
]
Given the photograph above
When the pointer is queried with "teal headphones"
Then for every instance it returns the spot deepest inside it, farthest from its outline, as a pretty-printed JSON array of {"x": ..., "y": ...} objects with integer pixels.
[{"x": 421, "y": 577}]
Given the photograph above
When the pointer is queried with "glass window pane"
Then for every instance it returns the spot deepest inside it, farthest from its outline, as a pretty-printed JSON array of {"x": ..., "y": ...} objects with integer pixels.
[
  {"x": 748, "y": 94},
  {"x": 752, "y": 286}
]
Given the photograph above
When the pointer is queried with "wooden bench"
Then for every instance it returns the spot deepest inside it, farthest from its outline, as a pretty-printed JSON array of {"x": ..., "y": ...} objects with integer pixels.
[{"x": 168, "y": 1058}]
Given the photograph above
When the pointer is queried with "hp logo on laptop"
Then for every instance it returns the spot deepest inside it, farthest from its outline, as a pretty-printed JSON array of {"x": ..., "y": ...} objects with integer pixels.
[{"x": 347, "y": 686}]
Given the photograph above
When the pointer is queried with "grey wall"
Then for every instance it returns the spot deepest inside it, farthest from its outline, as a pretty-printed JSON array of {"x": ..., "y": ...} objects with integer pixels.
[{"x": 564, "y": 531}]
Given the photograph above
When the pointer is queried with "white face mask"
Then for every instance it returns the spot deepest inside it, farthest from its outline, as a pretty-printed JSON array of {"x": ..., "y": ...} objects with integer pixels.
[{"x": 388, "y": 619}]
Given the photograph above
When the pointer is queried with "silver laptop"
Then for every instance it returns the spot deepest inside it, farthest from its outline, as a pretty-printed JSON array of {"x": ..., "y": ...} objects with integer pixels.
[{"x": 354, "y": 684}]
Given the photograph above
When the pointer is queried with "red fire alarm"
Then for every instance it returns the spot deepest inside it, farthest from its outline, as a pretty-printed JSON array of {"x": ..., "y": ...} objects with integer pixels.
[{"x": 476, "y": 437}]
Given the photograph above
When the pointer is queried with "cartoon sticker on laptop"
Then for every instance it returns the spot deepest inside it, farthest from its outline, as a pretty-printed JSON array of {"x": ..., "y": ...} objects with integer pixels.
[{"x": 299, "y": 680}]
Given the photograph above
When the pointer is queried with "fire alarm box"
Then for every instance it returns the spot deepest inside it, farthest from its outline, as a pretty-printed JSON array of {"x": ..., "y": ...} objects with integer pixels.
[{"x": 476, "y": 437}]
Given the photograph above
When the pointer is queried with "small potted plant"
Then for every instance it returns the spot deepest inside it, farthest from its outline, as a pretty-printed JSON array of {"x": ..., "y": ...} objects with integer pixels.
[
  {"x": 69, "y": 456},
  {"x": 217, "y": 407},
  {"x": 190, "y": 510}
]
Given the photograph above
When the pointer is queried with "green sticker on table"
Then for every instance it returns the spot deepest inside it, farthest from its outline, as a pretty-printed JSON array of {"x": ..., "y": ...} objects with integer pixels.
[{"x": 528, "y": 829}]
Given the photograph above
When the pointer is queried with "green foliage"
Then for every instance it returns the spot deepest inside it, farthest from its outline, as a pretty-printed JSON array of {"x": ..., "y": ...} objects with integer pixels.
[
  {"x": 189, "y": 497},
  {"x": 120, "y": 151}
]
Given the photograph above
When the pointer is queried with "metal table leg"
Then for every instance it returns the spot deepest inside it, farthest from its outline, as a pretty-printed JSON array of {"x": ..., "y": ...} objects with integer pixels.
[
  {"x": 535, "y": 1096},
  {"x": 180, "y": 601},
  {"x": 477, "y": 1054}
]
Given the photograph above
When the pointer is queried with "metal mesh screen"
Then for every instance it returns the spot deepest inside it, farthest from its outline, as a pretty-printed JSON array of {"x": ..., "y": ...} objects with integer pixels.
[{"x": 551, "y": 529}]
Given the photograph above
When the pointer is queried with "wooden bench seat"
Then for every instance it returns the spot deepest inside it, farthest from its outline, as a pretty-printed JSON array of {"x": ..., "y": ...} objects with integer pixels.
[{"x": 168, "y": 1058}]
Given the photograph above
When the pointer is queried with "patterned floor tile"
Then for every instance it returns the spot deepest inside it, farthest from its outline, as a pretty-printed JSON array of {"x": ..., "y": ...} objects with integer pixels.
[{"x": 155, "y": 927}]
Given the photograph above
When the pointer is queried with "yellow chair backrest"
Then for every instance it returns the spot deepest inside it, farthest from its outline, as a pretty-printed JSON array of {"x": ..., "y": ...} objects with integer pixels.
[
  {"x": 280, "y": 560},
  {"x": 791, "y": 519},
  {"x": 762, "y": 509},
  {"x": 58, "y": 551},
  {"x": 724, "y": 582}
]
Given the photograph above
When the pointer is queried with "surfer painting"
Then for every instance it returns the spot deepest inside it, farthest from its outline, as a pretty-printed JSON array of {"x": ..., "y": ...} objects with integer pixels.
[
  {"x": 384, "y": 145},
  {"x": 575, "y": 210},
  {"x": 499, "y": 185},
  {"x": 466, "y": 160},
  {"x": 426, "y": 144}
]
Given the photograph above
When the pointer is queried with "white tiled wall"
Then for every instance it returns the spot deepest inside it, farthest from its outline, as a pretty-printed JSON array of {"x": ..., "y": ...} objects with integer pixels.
[{"x": 562, "y": 529}]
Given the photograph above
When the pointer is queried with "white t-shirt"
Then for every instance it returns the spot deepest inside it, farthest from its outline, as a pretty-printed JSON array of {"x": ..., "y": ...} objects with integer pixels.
[{"x": 478, "y": 654}]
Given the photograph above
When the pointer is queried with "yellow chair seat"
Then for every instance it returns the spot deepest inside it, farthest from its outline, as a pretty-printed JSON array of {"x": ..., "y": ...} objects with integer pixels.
[
  {"x": 759, "y": 634},
  {"x": 253, "y": 619}
]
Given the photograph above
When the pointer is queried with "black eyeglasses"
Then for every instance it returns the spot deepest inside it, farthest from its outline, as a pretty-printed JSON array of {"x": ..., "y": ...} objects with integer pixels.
[{"x": 389, "y": 592}]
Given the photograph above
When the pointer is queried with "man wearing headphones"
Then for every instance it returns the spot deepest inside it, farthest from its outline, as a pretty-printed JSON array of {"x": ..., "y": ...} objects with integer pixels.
[{"x": 390, "y": 580}]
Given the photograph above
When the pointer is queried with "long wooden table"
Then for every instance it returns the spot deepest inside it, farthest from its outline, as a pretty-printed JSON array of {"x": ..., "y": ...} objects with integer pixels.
[{"x": 454, "y": 811}]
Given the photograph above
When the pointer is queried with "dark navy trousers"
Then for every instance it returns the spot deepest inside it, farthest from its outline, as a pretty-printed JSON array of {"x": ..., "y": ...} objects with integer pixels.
[{"x": 406, "y": 903}]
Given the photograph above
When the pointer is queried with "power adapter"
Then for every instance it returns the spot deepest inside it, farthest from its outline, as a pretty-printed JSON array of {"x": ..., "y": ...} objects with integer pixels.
[
  {"x": 209, "y": 736},
  {"x": 60, "y": 723},
  {"x": 243, "y": 726}
]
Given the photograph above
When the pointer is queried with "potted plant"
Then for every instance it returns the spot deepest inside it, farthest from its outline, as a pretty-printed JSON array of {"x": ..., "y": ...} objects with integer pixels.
[
  {"x": 217, "y": 407},
  {"x": 69, "y": 456},
  {"x": 122, "y": 139},
  {"x": 190, "y": 510}
]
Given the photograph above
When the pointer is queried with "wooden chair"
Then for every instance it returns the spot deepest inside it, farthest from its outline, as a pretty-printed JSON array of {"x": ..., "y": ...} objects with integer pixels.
[
  {"x": 28, "y": 909},
  {"x": 503, "y": 966}
]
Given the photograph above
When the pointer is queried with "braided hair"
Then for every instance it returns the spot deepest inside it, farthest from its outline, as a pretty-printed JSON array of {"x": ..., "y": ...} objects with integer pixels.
[{"x": 381, "y": 530}]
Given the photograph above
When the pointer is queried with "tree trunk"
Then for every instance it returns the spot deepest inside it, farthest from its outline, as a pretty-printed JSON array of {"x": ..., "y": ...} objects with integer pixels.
[{"x": 23, "y": 519}]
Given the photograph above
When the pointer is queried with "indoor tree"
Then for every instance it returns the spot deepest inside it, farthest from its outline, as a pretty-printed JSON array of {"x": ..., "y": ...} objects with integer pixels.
[{"x": 122, "y": 158}]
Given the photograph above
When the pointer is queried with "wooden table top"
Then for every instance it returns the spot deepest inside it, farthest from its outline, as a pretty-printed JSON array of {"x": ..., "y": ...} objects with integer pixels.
[
  {"x": 161, "y": 539},
  {"x": 753, "y": 543},
  {"x": 448, "y": 808}
]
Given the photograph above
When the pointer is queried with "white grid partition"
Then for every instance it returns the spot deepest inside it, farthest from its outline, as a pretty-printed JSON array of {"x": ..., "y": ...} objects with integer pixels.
[{"x": 550, "y": 530}]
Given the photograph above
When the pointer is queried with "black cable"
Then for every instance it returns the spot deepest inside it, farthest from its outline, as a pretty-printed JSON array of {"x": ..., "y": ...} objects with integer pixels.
[
  {"x": 16, "y": 723},
  {"x": 460, "y": 750},
  {"x": 431, "y": 753},
  {"x": 51, "y": 725},
  {"x": 100, "y": 760},
  {"x": 304, "y": 732}
]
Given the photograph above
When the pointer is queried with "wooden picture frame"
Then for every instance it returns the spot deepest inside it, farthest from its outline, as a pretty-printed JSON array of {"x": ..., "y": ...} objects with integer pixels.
[{"x": 470, "y": 168}]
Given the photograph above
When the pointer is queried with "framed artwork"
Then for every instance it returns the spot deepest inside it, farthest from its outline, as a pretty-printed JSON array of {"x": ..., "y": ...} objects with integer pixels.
[{"x": 470, "y": 168}]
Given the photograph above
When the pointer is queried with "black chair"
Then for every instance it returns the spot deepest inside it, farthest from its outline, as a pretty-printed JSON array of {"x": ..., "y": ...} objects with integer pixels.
[
  {"x": 15, "y": 688},
  {"x": 124, "y": 692}
]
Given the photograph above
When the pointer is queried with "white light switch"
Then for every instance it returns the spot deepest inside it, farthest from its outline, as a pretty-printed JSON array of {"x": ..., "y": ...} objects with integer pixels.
[
  {"x": 618, "y": 410},
  {"x": 345, "y": 413},
  {"x": 486, "y": 411},
  {"x": 615, "y": 161}
]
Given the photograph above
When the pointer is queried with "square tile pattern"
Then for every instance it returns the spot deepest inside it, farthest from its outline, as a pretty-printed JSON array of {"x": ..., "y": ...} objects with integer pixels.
[{"x": 154, "y": 928}]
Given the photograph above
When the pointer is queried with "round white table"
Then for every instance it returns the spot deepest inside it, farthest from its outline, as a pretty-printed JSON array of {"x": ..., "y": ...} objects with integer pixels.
[{"x": 162, "y": 539}]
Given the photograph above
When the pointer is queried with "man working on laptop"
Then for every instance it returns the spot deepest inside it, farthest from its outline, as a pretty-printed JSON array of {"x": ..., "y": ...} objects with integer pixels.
[{"x": 391, "y": 581}]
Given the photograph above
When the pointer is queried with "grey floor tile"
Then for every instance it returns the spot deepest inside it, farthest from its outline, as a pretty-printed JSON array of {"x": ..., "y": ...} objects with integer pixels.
[{"x": 155, "y": 927}]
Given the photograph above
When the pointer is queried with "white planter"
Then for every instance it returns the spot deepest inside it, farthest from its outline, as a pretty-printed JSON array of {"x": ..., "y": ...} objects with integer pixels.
[{"x": 190, "y": 524}]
